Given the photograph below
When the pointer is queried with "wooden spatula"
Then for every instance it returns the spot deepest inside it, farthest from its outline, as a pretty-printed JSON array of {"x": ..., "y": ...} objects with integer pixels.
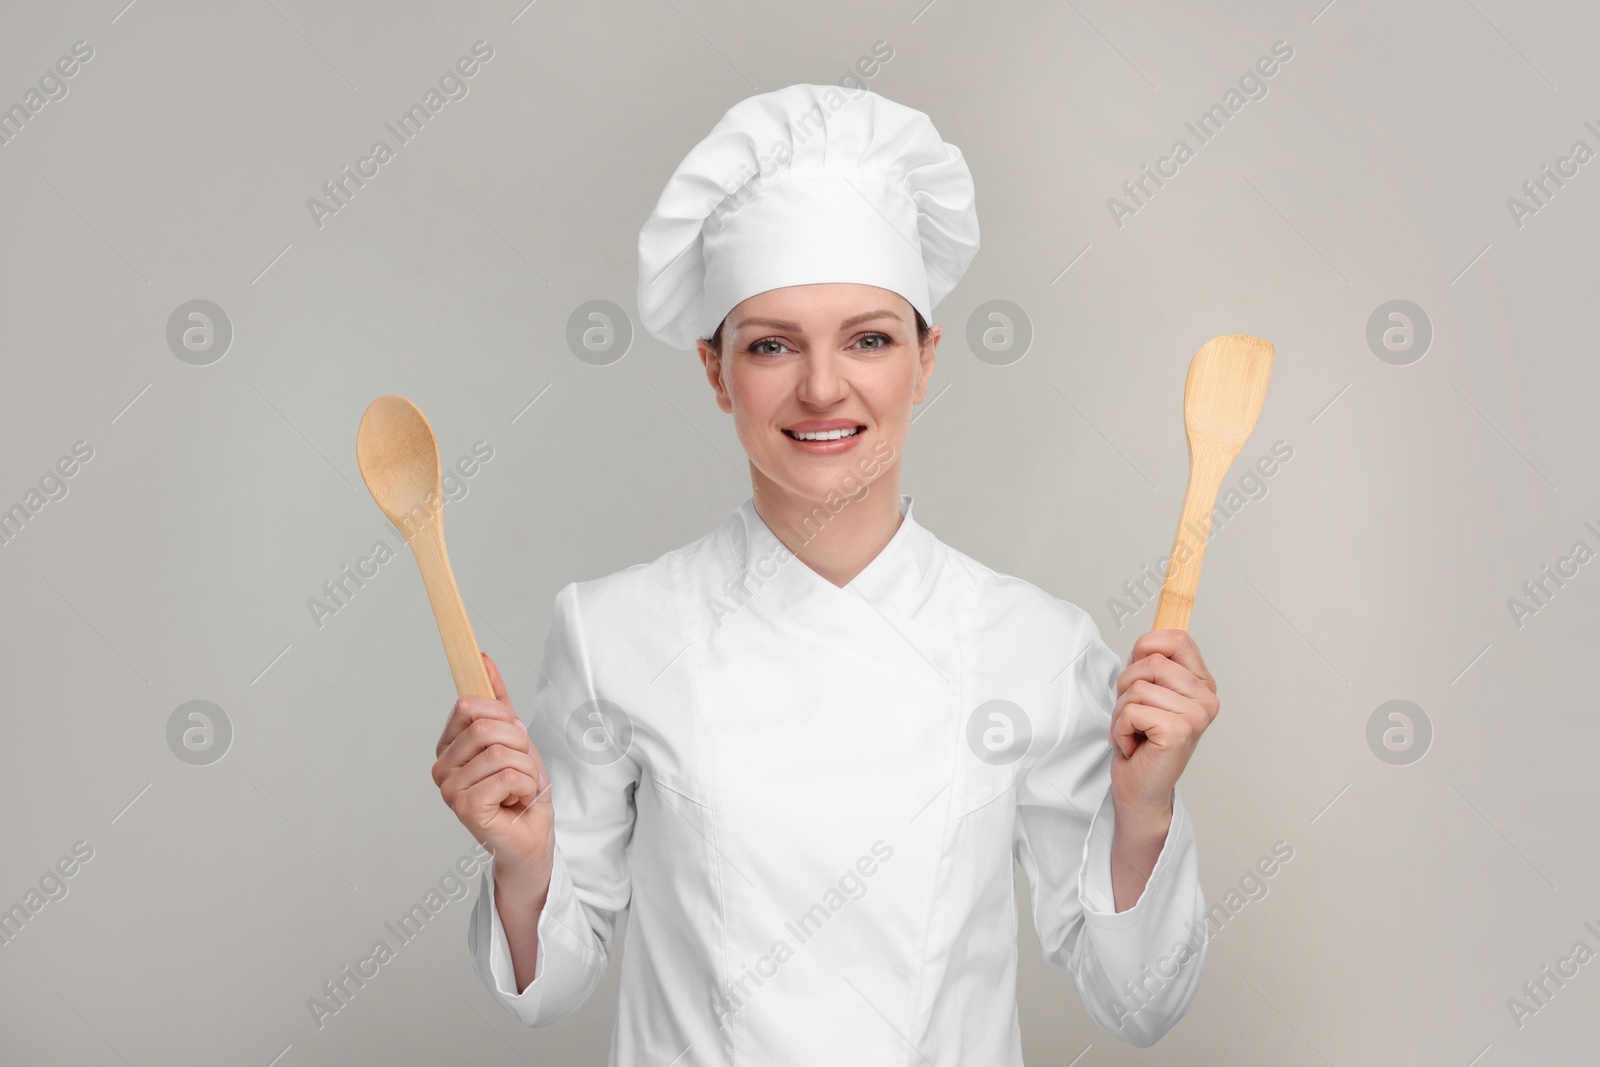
[
  {"x": 1226, "y": 388},
  {"x": 399, "y": 460}
]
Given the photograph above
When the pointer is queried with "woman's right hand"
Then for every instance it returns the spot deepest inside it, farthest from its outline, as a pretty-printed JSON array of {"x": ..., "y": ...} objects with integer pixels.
[{"x": 485, "y": 756}]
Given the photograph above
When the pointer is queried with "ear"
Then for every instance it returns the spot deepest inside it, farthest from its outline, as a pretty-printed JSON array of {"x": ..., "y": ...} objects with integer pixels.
[
  {"x": 927, "y": 356},
  {"x": 713, "y": 366}
]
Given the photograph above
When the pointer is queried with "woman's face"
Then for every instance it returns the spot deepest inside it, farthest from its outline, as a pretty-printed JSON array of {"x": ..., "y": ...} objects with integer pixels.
[{"x": 829, "y": 358}]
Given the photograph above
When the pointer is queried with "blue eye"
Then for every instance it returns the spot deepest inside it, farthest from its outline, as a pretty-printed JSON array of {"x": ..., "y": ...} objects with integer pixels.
[
  {"x": 885, "y": 338},
  {"x": 755, "y": 348}
]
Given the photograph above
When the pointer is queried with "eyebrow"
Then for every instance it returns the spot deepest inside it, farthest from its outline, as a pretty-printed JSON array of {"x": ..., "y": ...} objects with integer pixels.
[{"x": 784, "y": 324}]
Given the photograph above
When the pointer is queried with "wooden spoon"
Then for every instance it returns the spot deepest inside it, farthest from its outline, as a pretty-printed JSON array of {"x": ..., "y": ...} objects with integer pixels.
[
  {"x": 1226, "y": 388},
  {"x": 399, "y": 460}
]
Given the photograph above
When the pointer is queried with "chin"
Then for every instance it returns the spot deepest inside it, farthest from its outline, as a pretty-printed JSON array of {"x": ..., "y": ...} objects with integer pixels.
[{"x": 826, "y": 480}]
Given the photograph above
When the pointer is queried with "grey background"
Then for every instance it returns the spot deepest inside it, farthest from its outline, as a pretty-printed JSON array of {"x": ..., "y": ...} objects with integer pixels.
[{"x": 219, "y": 498}]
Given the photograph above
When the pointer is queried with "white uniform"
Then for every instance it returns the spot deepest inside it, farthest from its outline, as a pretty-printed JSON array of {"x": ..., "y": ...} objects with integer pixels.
[{"x": 810, "y": 797}]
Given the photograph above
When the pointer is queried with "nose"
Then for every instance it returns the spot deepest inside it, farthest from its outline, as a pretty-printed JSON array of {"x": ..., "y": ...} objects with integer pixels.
[{"x": 821, "y": 383}]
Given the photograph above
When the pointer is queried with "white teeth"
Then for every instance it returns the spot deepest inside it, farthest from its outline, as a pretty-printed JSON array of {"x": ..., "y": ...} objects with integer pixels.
[{"x": 825, "y": 435}]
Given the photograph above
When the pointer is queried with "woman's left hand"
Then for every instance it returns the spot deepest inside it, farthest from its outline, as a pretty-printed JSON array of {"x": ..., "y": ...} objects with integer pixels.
[{"x": 1165, "y": 700}]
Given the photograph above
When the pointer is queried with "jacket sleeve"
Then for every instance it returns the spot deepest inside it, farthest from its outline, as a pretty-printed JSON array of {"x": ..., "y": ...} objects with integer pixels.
[
  {"x": 1136, "y": 971},
  {"x": 584, "y": 741}
]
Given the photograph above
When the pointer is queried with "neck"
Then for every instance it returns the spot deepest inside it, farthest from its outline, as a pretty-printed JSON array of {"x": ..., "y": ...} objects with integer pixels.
[{"x": 837, "y": 545}]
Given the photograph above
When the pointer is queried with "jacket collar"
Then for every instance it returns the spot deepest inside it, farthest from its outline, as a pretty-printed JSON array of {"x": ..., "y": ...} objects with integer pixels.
[{"x": 894, "y": 580}]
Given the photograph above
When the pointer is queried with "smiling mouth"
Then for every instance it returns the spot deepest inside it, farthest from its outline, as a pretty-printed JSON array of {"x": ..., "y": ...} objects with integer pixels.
[{"x": 825, "y": 435}]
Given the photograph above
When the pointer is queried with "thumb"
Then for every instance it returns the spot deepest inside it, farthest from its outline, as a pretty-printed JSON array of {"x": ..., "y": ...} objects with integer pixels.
[
  {"x": 495, "y": 681},
  {"x": 1123, "y": 730}
]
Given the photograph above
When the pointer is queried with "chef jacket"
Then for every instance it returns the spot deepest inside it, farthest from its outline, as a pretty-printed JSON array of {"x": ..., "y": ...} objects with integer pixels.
[{"x": 809, "y": 797}]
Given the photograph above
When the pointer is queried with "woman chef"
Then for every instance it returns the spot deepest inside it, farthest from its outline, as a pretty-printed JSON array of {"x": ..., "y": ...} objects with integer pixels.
[{"x": 804, "y": 749}]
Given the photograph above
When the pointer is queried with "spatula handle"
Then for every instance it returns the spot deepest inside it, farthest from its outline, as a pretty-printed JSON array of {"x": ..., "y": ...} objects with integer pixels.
[
  {"x": 1206, "y": 471},
  {"x": 460, "y": 646}
]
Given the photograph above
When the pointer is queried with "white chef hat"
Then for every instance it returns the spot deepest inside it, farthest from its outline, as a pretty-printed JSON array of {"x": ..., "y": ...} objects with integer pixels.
[{"x": 811, "y": 183}]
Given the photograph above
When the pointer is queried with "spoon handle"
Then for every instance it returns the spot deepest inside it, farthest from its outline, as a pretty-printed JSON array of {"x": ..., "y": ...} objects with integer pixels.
[
  {"x": 460, "y": 646},
  {"x": 1206, "y": 470}
]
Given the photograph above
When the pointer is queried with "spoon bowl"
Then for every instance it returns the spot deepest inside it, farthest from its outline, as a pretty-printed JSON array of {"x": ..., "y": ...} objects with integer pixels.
[
  {"x": 399, "y": 458},
  {"x": 1224, "y": 393}
]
